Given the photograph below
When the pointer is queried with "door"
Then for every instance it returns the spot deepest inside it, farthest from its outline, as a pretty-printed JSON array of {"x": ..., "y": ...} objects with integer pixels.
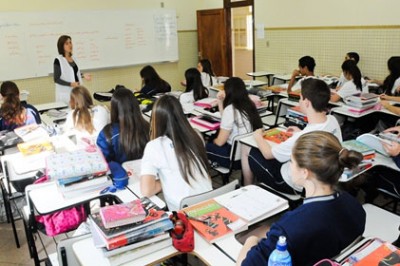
[{"x": 214, "y": 40}]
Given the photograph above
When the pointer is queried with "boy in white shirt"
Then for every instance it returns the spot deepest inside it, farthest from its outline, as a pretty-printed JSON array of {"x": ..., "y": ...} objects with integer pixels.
[{"x": 271, "y": 165}]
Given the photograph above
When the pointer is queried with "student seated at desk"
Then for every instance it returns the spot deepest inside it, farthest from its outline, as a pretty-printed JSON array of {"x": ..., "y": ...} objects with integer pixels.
[
  {"x": 85, "y": 119},
  {"x": 385, "y": 177},
  {"x": 239, "y": 115},
  {"x": 349, "y": 56},
  {"x": 354, "y": 84},
  {"x": 194, "y": 87},
  {"x": 175, "y": 160},
  {"x": 207, "y": 74},
  {"x": 126, "y": 136},
  {"x": 13, "y": 112},
  {"x": 152, "y": 83},
  {"x": 328, "y": 221},
  {"x": 391, "y": 84},
  {"x": 306, "y": 70},
  {"x": 270, "y": 165}
]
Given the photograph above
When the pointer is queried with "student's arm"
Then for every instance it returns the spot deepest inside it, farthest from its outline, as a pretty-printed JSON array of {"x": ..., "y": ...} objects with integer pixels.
[
  {"x": 389, "y": 98},
  {"x": 221, "y": 97},
  {"x": 263, "y": 145},
  {"x": 149, "y": 185},
  {"x": 335, "y": 97},
  {"x": 222, "y": 138},
  {"x": 292, "y": 81},
  {"x": 250, "y": 242},
  {"x": 391, "y": 108}
]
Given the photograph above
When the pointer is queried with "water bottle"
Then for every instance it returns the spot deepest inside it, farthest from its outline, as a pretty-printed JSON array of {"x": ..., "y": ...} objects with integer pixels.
[{"x": 280, "y": 256}]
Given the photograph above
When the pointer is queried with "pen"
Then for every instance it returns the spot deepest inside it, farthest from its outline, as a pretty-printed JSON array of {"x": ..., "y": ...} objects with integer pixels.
[{"x": 198, "y": 220}]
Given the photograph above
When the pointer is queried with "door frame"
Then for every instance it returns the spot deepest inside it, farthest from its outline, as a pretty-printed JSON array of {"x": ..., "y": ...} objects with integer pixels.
[{"x": 228, "y": 4}]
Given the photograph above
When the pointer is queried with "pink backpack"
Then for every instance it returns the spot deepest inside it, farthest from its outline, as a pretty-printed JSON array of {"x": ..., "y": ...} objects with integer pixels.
[{"x": 61, "y": 221}]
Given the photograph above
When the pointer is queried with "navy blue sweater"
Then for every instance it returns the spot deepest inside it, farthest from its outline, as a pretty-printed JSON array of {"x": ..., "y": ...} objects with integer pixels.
[{"x": 320, "y": 228}]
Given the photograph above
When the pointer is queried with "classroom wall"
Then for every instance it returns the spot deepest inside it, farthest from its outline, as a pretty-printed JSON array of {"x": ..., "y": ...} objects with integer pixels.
[
  {"x": 327, "y": 30},
  {"x": 42, "y": 89}
]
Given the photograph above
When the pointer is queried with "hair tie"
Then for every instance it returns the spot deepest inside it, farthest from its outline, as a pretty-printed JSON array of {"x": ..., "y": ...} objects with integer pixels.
[{"x": 340, "y": 152}]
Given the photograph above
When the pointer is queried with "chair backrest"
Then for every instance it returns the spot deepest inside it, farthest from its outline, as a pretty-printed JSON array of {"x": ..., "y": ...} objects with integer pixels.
[
  {"x": 236, "y": 151},
  {"x": 190, "y": 200}
]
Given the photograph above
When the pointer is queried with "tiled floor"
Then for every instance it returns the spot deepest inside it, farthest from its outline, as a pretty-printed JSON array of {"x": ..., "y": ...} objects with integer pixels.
[{"x": 10, "y": 255}]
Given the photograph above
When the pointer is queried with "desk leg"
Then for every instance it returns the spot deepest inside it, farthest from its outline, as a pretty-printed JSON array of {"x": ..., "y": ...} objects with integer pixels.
[{"x": 277, "y": 114}]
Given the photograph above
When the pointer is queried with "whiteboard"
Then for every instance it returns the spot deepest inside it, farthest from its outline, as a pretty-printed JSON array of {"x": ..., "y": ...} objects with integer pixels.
[{"x": 101, "y": 39}]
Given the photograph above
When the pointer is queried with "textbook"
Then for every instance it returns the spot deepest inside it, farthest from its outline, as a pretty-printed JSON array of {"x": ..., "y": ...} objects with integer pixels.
[
  {"x": 374, "y": 252},
  {"x": 206, "y": 102},
  {"x": 206, "y": 121},
  {"x": 213, "y": 221},
  {"x": 122, "y": 214},
  {"x": 154, "y": 214},
  {"x": 253, "y": 203},
  {"x": 359, "y": 146},
  {"x": 374, "y": 142},
  {"x": 276, "y": 135},
  {"x": 35, "y": 146},
  {"x": 141, "y": 251},
  {"x": 31, "y": 132},
  {"x": 126, "y": 238}
]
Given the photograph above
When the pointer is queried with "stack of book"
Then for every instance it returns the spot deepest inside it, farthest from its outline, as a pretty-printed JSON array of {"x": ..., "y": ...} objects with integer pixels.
[
  {"x": 361, "y": 102},
  {"x": 132, "y": 237},
  {"x": 294, "y": 117},
  {"x": 294, "y": 96},
  {"x": 78, "y": 172},
  {"x": 75, "y": 186}
]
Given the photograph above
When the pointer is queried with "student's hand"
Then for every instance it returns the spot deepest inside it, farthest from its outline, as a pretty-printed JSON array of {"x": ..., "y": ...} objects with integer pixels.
[
  {"x": 87, "y": 76},
  {"x": 258, "y": 134},
  {"x": 183, "y": 83},
  {"x": 384, "y": 96},
  {"x": 74, "y": 84},
  {"x": 296, "y": 73},
  {"x": 394, "y": 130},
  {"x": 385, "y": 104},
  {"x": 392, "y": 148},
  {"x": 221, "y": 95},
  {"x": 293, "y": 129},
  {"x": 398, "y": 89}
]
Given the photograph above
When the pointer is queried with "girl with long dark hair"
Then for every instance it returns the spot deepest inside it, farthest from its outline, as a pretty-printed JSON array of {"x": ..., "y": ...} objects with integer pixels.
[
  {"x": 175, "y": 160},
  {"x": 128, "y": 133},
  {"x": 152, "y": 83},
  {"x": 239, "y": 115},
  {"x": 194, "y": 87}
]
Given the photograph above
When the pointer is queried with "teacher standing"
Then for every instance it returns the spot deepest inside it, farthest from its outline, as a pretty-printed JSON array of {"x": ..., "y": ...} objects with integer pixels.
[{"x": 66, "y": 72}]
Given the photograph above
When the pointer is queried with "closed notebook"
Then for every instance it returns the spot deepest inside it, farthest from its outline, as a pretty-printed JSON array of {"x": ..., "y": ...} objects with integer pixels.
[
  {"x": 122, "y": 214},
  {"x": 213, "y": 221},
  {"x": 276, "y": 135}
]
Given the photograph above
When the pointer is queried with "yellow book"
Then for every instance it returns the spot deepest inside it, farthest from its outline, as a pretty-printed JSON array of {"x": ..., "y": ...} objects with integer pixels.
[{"x": 34, "y": 147}]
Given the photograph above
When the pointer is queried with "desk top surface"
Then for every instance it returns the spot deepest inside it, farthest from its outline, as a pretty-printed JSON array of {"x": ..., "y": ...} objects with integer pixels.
[
  {"x": 47, "y": 106},
  {"x": 260, "y": 74}
]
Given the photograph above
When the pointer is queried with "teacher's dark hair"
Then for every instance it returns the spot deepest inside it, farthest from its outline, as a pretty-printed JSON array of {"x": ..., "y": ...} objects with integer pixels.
[{"x": 60, "y": 43}]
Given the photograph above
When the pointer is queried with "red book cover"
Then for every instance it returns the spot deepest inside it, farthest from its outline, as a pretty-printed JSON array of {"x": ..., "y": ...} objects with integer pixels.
[
  {"x": 276, "y": 135},
  {"x": 386, "y": 254},
  {"x": 123, "y": 213},
  {"x": 213, "y": 221}
]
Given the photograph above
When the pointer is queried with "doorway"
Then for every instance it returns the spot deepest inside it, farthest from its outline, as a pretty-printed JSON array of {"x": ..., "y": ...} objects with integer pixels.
[{"x": 242, "y": 41}]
